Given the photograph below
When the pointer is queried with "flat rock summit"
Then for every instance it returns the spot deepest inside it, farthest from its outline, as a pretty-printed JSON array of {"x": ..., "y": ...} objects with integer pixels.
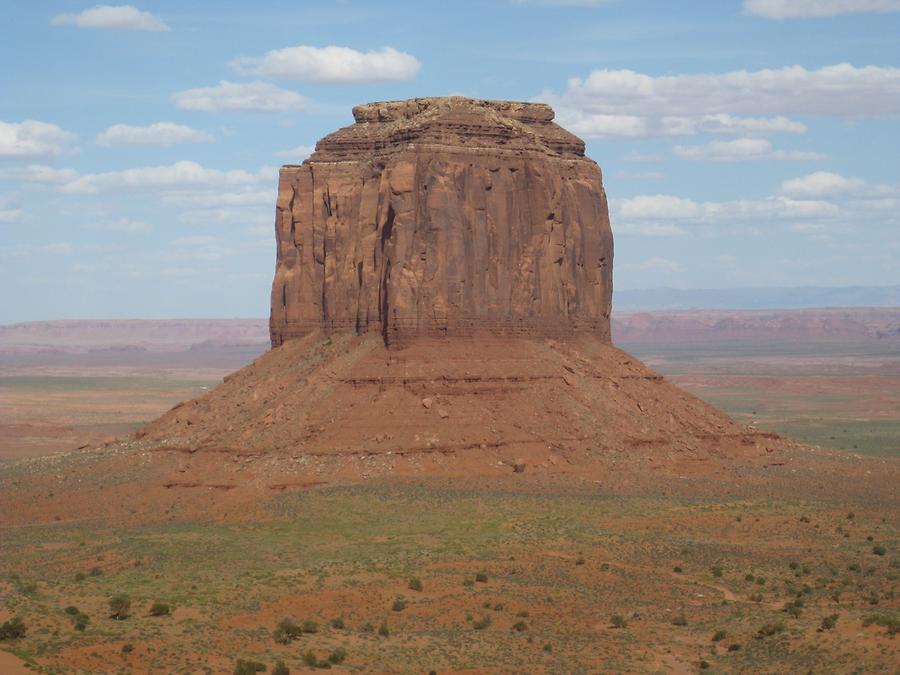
[{"x": 441, "y": 217}]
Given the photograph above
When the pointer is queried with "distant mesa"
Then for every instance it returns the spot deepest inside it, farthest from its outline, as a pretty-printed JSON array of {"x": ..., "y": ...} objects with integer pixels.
[{"x": 443, "y": 216}]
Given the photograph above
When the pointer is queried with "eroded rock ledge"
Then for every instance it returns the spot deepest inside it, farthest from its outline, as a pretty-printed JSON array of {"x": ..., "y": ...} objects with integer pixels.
[{"x": 443, "y": 216}]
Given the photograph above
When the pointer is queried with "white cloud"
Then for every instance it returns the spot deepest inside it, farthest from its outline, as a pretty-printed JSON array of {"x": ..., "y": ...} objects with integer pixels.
[
  {"x": 801, "y": 9},
  {"x": 657, "y": 206},
  {"x": 32, "y": 138},
  {"x": 179, "y": 175},
  {"x": 821, "y": 184},
  {"x": 298, "y": 154},
  {"x": 39, "y": 173},
  {"x": 123, "y": 225},
  {"x": 664, "y": 208},
  {"x": 628, "y": 104},
  {"x": 160, "y": 133},
  {"x": 741, "y": 150},
  {"x": 330, "y": 65},
  {"x": 240, "y": 97},
  {"x": 601, "y": 125},
  {"x": 113, "y": 17}
]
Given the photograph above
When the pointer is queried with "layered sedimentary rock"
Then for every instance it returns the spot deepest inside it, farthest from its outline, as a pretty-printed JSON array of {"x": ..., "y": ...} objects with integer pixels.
[{"x": 443, "y": 216}]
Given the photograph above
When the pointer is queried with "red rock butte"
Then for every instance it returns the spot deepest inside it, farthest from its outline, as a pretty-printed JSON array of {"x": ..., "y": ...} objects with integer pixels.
[
  {"x": 441, "y": 306},
  {"x": 443, "y": 216}
]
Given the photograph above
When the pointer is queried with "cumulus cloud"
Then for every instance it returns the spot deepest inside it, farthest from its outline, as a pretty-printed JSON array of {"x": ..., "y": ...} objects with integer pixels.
[
  {"x": 297, "y": 154},
  {"x": 39, "y": 173},
  {"x": 624, "y": 103},
  {"x": 663, "y": 209},
  {"x": 742, "y": 150},
  {"x": 32, "y": 138},
  {"x": 805, "y": 9},
  {"x": 160, "y": 133},
  {"x": 113, "y": 17},
  {"x": 240, "y": 97},
  {"x": 600, "y": 125},
  {"x": 330, "y": 65},
  {"x": 821, "y": 184},
  {"x": 179, "y": 175}
]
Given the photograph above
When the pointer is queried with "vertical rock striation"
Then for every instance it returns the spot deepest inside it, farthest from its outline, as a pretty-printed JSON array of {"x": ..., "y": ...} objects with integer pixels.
[{"x": 443, "y": 216}]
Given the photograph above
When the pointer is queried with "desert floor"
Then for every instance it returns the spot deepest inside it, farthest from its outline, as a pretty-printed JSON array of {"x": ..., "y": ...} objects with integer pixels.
[{"x": 798, "y": 570}]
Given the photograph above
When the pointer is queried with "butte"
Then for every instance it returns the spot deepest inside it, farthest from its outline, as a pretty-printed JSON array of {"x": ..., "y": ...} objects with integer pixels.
[{"x": 441, "y": 306}]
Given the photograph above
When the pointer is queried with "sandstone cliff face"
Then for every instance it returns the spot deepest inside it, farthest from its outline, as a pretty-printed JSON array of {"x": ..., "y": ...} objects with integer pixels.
[{"x": 440, "y": 217}]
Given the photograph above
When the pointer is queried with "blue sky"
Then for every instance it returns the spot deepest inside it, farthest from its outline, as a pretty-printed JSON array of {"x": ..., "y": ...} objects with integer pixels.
[{"x": 744, "y": 143}]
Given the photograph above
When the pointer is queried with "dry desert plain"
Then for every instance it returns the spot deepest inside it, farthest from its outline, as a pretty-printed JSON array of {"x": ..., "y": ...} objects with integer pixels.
[{"x": 635, "y": 559}]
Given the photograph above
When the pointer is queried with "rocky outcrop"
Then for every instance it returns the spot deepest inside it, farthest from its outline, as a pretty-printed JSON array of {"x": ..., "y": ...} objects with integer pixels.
[{"x": 443, "y": 216}]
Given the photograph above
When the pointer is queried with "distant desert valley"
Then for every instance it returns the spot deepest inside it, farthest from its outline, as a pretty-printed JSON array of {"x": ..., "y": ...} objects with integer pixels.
[{"x": 786, "y": 565}]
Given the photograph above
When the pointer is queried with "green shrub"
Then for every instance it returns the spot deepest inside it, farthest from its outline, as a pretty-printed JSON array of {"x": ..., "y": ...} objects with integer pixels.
[
  {"x": 338, "y": 655},
  {"x": 415, "y": 584},
  {"x": 719, "y": 635},
  {"x": 119, "y": 606},
  {"x": 310, "y": 627},
  {"x": 717, "y": 571},
  {"x": 618, "y": 621},
  {"x": 248, "y": 667},
  {"x": 81, "y": 622},
  {"x": 80, "y": 576},
  {"x": 367, "y": 627},
  {"x": 749, "y": 577},
  {"x": 309, "y": 659},
  {"x": 794, "y": 608},
  {"x": 127, "y": 648},
  {"x": 468, "y": 582},
  {"x": 280, "y": 669},
  {"x": 383, "y": 629},
  {"x": 338, "y": 622},
  {"x": 13, "y": 629},
  {"x": 481, "y": 577},
  {"x": 96, "y": 572},
  {"x": 520, "y": 626},
  {"x": 879, "y": 550},
  {"x": 286, "y": 631},
  {"x": 770, "y": 629},
  {"x": 579, "y": 561},
  {"x": 71, "y": 610},
  {"x": 734, "y": 647},
  {"x": 680, "y": 619},
  {"x": 677, "y": 569},
  {"x": 548, "y": 648},
  {"x": 399, "y": 604},
  {"x": 160, "y": 609},
  {"x": 829, "y": 622},
  {"x": 889, "y": 621},
  {"x": 756, "y": 597},
  {"x": 482, "y": 623},
  {"x": 522, "y": 613}
]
